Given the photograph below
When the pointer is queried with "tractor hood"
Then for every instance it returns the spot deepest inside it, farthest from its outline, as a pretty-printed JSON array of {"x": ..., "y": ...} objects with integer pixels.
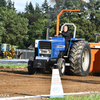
[{"x": 54, "y": 45}]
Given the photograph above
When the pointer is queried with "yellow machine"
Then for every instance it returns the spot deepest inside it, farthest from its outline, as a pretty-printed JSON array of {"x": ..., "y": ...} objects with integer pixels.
[
  {"x": 6, "y": 51},
  {"x": 4, "y": 47},
  {"x": 10, "y": 54}
]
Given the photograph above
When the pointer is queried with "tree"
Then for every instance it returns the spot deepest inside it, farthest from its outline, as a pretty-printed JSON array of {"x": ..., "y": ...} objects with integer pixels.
[
  {"x": 13, "y": 6},
  {"x": 27, "y": 8},
  {"x": 45, "y": 7},
  {"x": 2, "y": 3},
  {"x": 37, "y": 11},
  {"x": 59, "y": 6},
  {"x": 37, "y": 30},
  {"x": 13, "y": 27},
  {"x": 10, "y": 5},
  {"x": 31, "y": 8}
]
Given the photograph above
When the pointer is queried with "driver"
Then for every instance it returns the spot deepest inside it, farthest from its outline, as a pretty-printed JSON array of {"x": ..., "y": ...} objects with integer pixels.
[{"x": 66, "y": 34}]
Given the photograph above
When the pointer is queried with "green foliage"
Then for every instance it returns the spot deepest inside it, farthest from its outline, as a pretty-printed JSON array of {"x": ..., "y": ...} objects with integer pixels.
[
  {"x": 29, "y": 8},
  {"x": 13, "y": 27},
  {"x": 37, "y": 30},
  {"x": 2, "y": 3},
  {"x": 45, "y": 7},
  {"x": 10, "y": 5},
  {"x": 26, "y": 8},
  {"x": 37, "y": 11}
]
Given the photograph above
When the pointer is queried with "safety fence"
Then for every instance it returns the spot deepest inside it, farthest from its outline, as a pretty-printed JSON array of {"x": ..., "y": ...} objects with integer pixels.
[{"x": 25, "y": 54}]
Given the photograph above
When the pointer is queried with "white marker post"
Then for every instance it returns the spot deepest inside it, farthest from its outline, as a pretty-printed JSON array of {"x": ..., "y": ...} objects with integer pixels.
[{"x": 56, "y": 85}]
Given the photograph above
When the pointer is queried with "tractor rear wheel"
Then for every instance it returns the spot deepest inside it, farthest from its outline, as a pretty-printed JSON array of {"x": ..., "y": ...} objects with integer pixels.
[
  {"x": 61, "y": 66},
  {"x": 80, "y": 58},
  {"x": 31, "y": 70}
]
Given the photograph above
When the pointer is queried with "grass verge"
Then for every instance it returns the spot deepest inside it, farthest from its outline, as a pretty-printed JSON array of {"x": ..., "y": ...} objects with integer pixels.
[
  {"x": 13, "y": 66},
  {"x": 87, "y": 97}
]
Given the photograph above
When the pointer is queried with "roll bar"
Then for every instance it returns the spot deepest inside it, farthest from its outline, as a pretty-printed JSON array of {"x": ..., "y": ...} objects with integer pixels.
[
  {"x": 57, "y": 29},
  {"x": 70, "y": 24}
]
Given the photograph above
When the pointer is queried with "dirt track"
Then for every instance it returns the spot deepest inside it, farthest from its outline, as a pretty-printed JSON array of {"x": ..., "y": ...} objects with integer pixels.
[{"x": 17, "y": 82}]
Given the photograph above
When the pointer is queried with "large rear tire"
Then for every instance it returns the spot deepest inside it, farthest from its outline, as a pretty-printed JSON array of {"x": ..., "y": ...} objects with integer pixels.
[
  {"x": 31, "y": 70},
  {"x": 61, "y": 66},
  {"x": 80, "y": 58}
]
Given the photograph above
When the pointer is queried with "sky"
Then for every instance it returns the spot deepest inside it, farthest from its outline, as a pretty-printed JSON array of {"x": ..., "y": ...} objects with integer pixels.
[{"x": 20, "y": 4}]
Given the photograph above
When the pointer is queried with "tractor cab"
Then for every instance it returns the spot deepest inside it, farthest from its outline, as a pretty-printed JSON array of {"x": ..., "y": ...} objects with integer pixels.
[
  {"x": 73, "y": 36},
  {"x": 3, "y": 48}
]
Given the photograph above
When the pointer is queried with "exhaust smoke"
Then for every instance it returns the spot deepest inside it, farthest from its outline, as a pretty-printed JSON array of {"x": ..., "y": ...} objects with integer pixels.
[{"x": 52, "y": 2}]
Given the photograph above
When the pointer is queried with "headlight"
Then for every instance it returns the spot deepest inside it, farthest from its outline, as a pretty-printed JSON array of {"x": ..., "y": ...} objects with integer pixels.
[
  {"x": 40, "y": 51},
  {"x": 49, "y": 51},
  {"x": 44, "y": 51}
]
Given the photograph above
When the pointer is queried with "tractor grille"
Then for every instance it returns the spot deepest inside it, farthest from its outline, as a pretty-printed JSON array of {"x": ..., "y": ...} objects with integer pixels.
[{"x": 45, "y": 45}]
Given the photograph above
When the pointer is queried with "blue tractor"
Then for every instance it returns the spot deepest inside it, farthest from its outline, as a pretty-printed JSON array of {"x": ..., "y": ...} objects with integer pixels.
[{"x": 50, "y": 54}]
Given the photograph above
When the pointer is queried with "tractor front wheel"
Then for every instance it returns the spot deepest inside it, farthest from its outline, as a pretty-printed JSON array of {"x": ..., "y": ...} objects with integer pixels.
[
  {"x": 31, "y": 70},
  {"x": 61, "y": 66}
]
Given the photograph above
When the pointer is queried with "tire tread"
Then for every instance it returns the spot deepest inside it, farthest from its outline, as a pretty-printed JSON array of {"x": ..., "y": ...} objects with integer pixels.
[{"x": 75, "y": 58}]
